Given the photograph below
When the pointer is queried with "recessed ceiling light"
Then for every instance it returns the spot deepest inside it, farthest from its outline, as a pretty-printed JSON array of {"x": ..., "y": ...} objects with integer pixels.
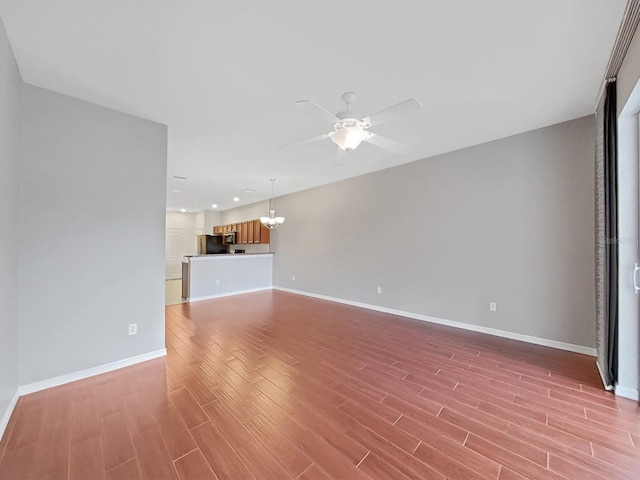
[
  {"x": 215, "y": 205},
  {"x": 178, "y": 177},
  {"x": 175, "y": 190},
  {"x": 236, "y": 199},
  {"x": 248, "y": 190},
  {"x": 183, "y": 210}
]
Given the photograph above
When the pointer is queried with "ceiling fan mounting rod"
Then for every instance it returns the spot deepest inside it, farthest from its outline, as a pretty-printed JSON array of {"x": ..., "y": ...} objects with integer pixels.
[{"x": 349, "y": 98}]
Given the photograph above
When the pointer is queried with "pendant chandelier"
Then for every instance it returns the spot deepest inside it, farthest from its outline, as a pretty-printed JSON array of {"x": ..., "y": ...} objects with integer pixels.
[{"x": 272, "y": 222}]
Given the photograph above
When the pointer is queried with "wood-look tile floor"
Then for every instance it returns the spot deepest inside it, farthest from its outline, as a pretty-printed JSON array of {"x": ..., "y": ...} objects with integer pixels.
[
  {"x": 273, "y": 385},
  {"x": 173, "y": 292}
]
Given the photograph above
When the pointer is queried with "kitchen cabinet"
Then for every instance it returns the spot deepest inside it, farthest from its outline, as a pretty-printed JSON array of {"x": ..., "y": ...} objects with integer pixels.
[
  {"x": 256, "y": 226},
  {"x": 264, "y": 233},
  {"x": 261, "y": 234},
  {"x": 249, "y": 232},
  {"x": 242, "y": 233}
]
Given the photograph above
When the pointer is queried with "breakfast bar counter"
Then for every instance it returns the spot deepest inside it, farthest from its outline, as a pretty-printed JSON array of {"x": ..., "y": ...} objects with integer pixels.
[{"x": 219, "y": 275}]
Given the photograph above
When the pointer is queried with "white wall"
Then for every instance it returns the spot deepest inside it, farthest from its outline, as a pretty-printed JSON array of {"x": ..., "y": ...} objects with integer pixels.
[
  {"x": 211, "y": 219},
  {"x": 628, "y": 89},
  {"x": 9, "y": 232},
  {"x": 199, "y": 222},
  {"x": 181, "y": 229},
  {"x": 92, "y": 229},
  {"x": 510, "y": 221},
  {"x": 247, "y": 212}
]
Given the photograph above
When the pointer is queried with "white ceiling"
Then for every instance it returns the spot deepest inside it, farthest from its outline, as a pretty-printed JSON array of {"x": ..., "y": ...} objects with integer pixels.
[{"x": 224, "y": 76}]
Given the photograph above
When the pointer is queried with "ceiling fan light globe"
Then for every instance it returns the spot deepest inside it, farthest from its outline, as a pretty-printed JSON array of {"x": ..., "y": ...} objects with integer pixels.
[{"x": 349, "y": 138}]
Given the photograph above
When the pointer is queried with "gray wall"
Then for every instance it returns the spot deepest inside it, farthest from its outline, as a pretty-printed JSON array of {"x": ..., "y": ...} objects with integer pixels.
[
  {"x": 9, "y": 239},
  {"x": 510, "y": 221},
  {"x": 92, "y": 235},
  {"x": 226, "y": 274}
]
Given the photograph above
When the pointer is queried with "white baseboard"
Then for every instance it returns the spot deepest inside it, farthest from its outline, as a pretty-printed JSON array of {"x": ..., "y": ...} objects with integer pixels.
[
  {"x": 89, "y": 372},
  {"x": 450, "y": 323},
  {"x": 626, "y": 392},
  {"x": 228, "y": 294},
  {"x": 4, "y": 421}
]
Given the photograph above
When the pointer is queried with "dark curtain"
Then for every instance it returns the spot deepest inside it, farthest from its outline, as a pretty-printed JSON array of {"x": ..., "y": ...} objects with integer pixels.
[{"x": 610, "y": 145}]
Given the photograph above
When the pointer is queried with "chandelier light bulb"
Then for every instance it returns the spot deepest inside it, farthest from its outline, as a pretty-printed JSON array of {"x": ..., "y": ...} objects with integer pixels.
[{"x": 272, "y": 222}]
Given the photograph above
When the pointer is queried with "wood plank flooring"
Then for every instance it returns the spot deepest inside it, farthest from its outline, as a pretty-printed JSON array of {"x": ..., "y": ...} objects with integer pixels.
[{"x": 273, "y": 385}]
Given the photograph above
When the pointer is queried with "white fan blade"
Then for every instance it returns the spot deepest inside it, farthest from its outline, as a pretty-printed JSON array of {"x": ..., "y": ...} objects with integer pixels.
[
  {"x": 315, "y": 109},
  {"x": 341, "y": 157},
  {"x": 307, "y": 140},
  {"x": 408, "y": 106},
  {"x": 387, "y": 144}
]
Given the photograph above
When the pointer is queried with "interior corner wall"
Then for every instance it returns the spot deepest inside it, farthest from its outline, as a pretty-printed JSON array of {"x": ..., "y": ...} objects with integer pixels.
[
  {"x": 9, "y": 236},
  {"x": 92, "y": 233},
  {"x": 181, "y": 231},
  {"x": 510, "y": 221},
  {"x": 198, "y": 223}
]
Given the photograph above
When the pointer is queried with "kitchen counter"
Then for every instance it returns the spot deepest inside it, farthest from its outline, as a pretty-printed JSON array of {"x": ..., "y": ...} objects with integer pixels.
[{"x": 223, "y": 274}]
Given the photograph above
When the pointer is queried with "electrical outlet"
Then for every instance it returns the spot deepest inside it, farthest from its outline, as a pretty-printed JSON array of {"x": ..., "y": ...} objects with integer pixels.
[
  {"x": 379, "y": 290},
  {"x": 492, "y": 307},
  {"x": 133, "y": 328},
  {"x": 293, "y": 278},
  {"x": 217, "y": 281}
]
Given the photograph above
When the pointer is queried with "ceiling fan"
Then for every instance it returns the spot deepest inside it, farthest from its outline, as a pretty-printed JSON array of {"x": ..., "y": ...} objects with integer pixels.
[{"x": 350, "y": 129}]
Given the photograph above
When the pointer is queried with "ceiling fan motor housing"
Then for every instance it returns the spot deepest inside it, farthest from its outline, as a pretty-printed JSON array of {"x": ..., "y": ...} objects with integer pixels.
[{"x": 350, "y": 131}]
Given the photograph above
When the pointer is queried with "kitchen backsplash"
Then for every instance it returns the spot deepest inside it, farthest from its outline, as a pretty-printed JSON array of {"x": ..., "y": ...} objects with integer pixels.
[{"x": 249, "y": 248}]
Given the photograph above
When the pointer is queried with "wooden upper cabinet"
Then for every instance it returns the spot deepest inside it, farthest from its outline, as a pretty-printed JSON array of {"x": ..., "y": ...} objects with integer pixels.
[
  {"x": 265, "y": 234},
  {"x": 244, "y": 234},
  {"x": 250, "y": 231},
  {"x": 256, "y": 226}
]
